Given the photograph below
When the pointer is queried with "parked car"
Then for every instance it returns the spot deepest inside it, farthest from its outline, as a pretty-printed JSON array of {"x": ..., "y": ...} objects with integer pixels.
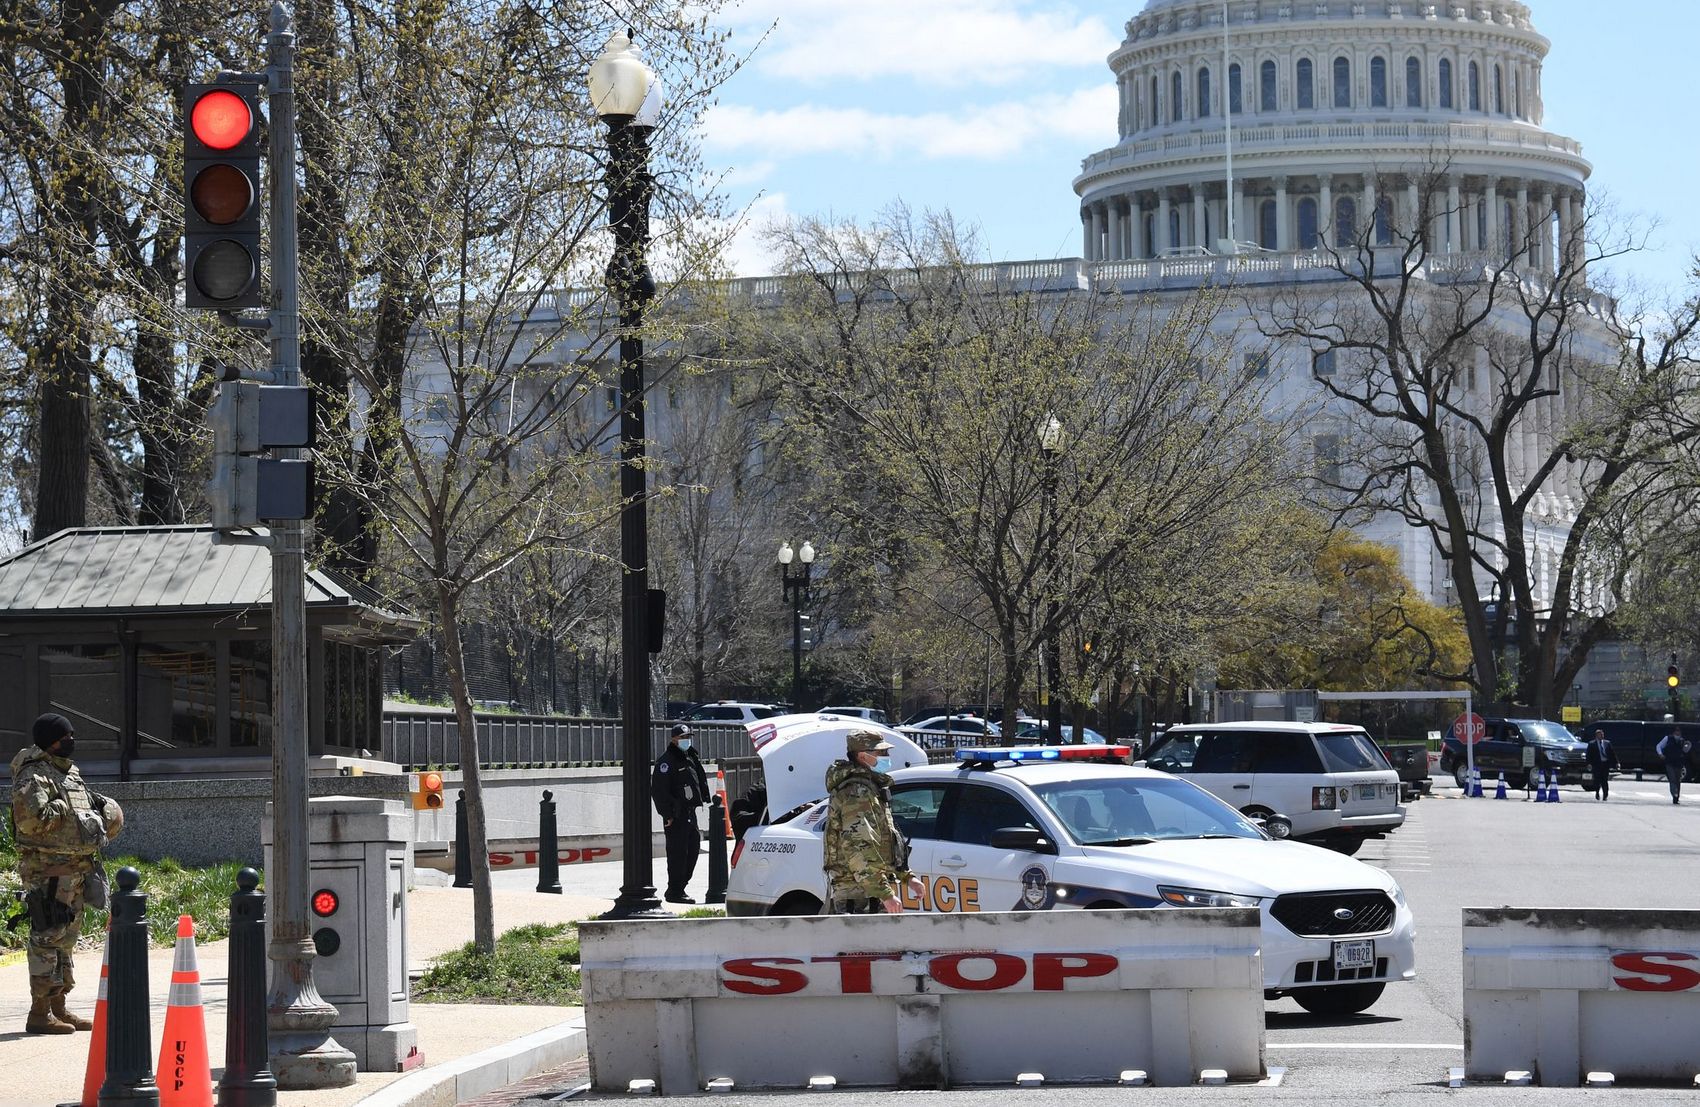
[
  {"x": 1516, "y": 747},
  {"x": 941, "y": 731},
  {"x": 1073, "y": 831},
  {"x": 872, "y": 714},
  {"x": 732, "y": 711},
  {"x": 1636, "y": 742},
  {"x": 1033, "y": 730},
  {"x": 1410, "y": 761},
  {"x": 1330, "y": 780}
]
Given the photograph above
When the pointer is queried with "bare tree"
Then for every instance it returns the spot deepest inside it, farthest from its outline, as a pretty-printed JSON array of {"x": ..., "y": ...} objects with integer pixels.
[{"x": 1488, "y": 395}]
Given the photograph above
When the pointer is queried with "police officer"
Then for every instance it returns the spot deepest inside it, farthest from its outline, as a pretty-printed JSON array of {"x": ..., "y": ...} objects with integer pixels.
[
  {"x": 60, "y": 826},
  {"x": 678, "y": 787},
  {"x": 864, "y": 854}
]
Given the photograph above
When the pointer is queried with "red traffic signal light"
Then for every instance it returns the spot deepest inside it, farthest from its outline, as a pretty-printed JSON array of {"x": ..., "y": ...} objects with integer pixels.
[
  {"x": 222, "y": 144},
  {"x": 429, "y": 795},
  {"x": 325, "y": 903}
]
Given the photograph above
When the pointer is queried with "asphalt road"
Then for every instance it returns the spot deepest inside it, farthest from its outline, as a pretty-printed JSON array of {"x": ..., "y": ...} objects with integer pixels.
[{"x": 1635, "y": 850}]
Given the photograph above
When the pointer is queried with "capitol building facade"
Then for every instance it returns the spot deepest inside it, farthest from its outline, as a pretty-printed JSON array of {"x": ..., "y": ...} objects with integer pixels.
[{"x": 1267, "y": 146}]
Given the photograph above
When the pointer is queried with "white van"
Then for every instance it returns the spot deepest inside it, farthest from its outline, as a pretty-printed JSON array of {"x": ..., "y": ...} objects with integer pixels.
[{"x": 1332, "y": 781}]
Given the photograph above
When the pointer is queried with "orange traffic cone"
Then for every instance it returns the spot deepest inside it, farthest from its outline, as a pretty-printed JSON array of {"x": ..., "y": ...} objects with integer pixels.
[
  {"x": 95, "y": 1074},
  {"x": 185, "y": 1074},
  {"x": 725, "y": 803}
]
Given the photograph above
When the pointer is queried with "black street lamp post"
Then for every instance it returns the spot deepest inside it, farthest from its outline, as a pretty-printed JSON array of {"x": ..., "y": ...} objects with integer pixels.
[
  {"x": 1050, "y": 447},
  {"x": 627, "y": 97},
  {"x": 795, "y": 586}
]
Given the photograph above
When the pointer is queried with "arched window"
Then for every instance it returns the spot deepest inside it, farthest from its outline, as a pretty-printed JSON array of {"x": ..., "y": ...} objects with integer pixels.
[
  {"x": 1378, "y": 82},
  {"x": 1234, "y": 88},
  {"x": 1342, "y": 82},
  {"x": 1345, "y": 221},
  {"x": 1506, "y": 230},
  {"x": 1203, "y": 92},
  {"x": 1306, "y": 92},
  {"x": 1481, "y": 226},
  {"x": 1307, "y": 223},
  {"x": 1498, "y": 89},
  {"x": 1516, "y": 96},
  {"x": 1446, "y": 82},
  {"x": 1413, "y": 83},
  {"x": 1174, "y": 227},
  {"x": 1176, "y": 94},
  {"x": 1266, "y": 225},
  {"x": 1150, "y": 235},
  {"x": 1475, "y": 87},
  {"x": 1384, "y": 220},
  {"x": 1266, "y": 86},
  {"x": 1156, "y": 108}
]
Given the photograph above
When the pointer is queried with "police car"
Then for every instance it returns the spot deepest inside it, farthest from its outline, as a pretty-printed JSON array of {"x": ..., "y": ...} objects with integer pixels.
[{"x": 1042, "y": 828}]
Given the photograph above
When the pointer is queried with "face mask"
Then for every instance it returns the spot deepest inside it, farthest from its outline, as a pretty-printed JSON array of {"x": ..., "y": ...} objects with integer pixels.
[
  {"x": 67, "y": 748},
  {"x": 882, "y": 765},
  {"x": 684, "y": 743}
]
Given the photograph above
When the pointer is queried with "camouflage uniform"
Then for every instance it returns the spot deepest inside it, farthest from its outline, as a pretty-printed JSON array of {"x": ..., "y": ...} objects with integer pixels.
[
  {"x": 60, "y": 827},
  {"x": 864, "y": 854}
]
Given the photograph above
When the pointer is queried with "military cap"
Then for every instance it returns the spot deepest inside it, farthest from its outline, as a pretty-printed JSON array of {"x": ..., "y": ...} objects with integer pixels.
[{"x": 858, "y": 741}]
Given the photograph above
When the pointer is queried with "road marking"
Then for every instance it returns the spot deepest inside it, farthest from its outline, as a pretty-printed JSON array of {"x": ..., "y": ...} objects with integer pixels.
[{"x": 1276, "y": 1046}]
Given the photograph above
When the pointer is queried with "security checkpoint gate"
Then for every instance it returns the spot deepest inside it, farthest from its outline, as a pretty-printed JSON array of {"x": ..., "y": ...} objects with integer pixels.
[
  {"x": 357, "y": 866},
  {"x": 923, "y": 1000},
  {"x": 1562, "y": 993}
]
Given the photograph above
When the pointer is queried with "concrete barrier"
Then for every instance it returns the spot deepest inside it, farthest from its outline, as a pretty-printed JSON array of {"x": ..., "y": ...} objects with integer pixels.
[
  {"x": 923, "y": 1000},
  {"x": 1562, "y": 993}
]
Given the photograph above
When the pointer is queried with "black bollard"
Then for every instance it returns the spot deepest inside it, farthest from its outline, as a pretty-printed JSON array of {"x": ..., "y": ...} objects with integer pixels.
[
  {"x": 548, "y": 847},
  {"x": 247, "y": 1079},
  {"x": 463, "y": 856},
  {"x": 129, "y": 1032},
  {"x": 717, "y": 874}
]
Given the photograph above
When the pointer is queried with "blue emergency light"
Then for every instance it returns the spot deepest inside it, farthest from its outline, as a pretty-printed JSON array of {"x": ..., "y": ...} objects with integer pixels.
[{"x": 986, "y": 755}]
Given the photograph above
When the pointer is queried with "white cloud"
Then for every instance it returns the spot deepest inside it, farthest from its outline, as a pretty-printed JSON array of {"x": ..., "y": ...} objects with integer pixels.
[
  {"x": 746, "y": 253},
  {"x": 983, "y": 132},
  {"x": 932, "y": 42}
]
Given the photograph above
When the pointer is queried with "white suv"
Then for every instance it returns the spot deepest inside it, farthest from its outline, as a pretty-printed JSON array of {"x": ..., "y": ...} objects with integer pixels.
[
  {"x": 1331, "y": 781},
  {"x": 1065, "y": 828},
  {"x": 731, "y": 711}
]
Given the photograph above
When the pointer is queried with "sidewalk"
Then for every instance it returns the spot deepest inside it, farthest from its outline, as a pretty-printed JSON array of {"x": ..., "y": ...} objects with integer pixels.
[{"x": 42, "y": 1070}]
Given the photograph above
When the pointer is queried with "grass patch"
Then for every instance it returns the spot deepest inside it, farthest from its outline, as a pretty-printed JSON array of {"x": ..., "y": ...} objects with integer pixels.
[
  {"x": 172, "y": 890},
  {"x": 532, "y": 965}
]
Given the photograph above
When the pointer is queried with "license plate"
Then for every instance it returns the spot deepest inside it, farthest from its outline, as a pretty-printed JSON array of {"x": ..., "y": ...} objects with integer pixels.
[
  {"x": 1359, "y": 953},
  {"x": 1368, "y": 791}
]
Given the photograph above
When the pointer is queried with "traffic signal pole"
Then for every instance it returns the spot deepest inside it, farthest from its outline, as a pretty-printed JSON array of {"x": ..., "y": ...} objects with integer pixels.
[{"x": 303, "y": 1053}]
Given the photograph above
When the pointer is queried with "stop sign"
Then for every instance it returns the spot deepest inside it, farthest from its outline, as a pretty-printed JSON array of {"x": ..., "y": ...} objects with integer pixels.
[{"x": 1469, "y": 728}]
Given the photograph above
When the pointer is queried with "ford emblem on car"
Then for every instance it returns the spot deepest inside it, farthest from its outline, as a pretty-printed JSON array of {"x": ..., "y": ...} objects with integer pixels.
[{"x": 1344, "y": 914}]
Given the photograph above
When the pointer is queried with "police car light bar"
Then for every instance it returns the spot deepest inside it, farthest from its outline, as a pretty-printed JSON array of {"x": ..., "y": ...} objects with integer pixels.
[{"x": 989, "y": 754}]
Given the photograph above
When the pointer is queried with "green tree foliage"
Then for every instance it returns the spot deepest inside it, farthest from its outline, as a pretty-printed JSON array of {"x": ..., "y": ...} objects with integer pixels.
[{"x": 1355, "y": 623}]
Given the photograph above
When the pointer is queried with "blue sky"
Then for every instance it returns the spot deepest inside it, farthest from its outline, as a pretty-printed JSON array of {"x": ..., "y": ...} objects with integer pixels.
[{"x": 986, "y": 107}]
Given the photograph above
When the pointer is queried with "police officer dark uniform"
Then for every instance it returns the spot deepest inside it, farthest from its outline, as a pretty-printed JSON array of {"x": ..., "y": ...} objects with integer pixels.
[{"x": 678, "y": 786}]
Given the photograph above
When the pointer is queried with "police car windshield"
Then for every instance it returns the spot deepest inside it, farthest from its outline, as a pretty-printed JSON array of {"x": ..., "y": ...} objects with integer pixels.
[{"x": 1106, "y": 811}]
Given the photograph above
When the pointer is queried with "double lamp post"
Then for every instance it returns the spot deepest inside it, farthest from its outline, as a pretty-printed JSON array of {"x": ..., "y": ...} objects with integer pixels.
[{"x": 795, "y": 586}]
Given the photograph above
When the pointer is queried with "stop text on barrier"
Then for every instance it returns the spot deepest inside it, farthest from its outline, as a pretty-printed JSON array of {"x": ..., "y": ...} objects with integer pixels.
[
  {"x": 527, "y": 859},
  {"x": 1656, "y": 970},
  {"x": 969, "y": 971}
]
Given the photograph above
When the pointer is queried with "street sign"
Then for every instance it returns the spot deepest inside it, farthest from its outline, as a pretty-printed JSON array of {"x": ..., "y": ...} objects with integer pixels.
[
  {"x": 1304, "y": 714},
  {"x": 1469, "y": 729},
  {"x": 1571, "y": 713}
]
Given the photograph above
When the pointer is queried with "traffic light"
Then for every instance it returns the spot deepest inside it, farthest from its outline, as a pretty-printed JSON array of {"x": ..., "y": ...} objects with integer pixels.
[
  {"x": 248, "y": 418},
  {"x": 325, "y": 904},
  {"x": 1672, "y": 677},
  {"x": 429, "y": 795},
  {"x": 223, "y": 139}
]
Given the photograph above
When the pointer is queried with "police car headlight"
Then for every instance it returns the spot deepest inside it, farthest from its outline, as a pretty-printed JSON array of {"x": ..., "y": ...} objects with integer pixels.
[{"x": 1203, "y": 897}]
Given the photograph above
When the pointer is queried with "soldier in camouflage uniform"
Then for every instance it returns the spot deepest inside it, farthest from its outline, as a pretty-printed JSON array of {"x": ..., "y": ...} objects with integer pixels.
[
  {"x": 864, "y": 854},
  {"x": 60, "y": 826}
]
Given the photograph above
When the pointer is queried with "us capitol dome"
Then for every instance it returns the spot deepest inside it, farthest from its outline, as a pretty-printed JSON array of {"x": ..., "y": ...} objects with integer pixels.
[{"x": 1337, "y": 112}]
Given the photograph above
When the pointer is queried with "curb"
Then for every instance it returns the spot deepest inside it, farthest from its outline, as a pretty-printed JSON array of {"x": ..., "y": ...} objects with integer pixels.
[{"x": 469, "y": 1077}]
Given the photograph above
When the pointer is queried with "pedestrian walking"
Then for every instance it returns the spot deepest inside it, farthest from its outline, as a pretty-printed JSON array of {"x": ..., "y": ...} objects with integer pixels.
[
  {"x": 1602, "y": 761},
  {"x": 864, "y": 854},
  {"x": 1673, "y": 747},
  {"x": 678, "y": 786},
  {"x": 60, "y": 826}
]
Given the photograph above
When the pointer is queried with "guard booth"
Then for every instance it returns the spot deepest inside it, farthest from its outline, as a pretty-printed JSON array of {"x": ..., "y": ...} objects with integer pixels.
[{"x": 156, "y": 643}]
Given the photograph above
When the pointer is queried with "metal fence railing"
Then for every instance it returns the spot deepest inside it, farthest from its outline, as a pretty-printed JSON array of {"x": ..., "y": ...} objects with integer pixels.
[{"x": 432, "y": 738}]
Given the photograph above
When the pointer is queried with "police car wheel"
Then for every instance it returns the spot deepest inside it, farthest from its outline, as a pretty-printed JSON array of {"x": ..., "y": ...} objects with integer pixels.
[
  {"x": 1339, "y": 999},
  {"x": 797, "y": 903}
]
